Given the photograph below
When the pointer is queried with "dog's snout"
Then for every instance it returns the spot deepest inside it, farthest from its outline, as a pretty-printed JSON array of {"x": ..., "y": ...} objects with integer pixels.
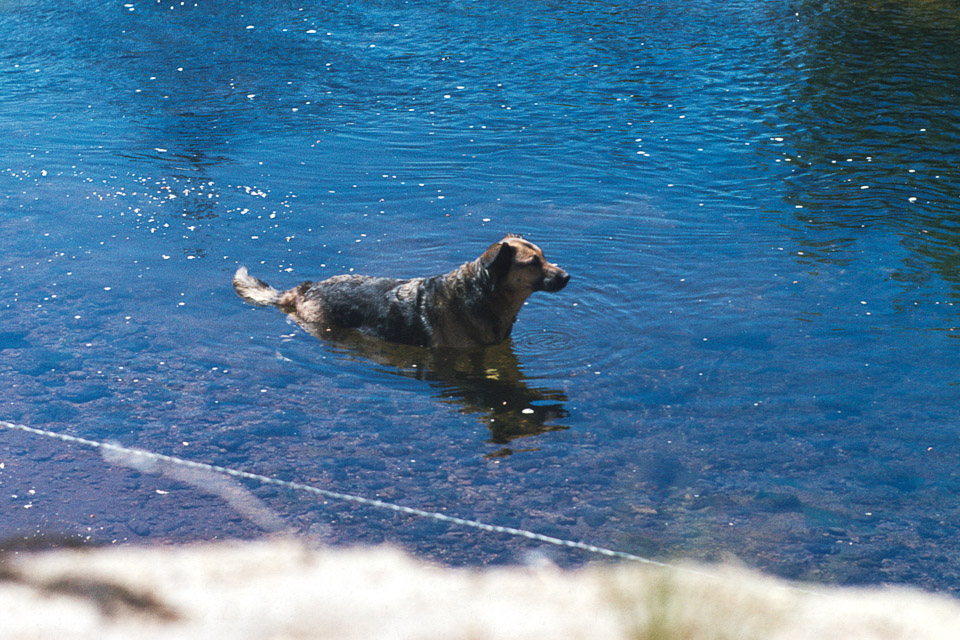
[{"x": 556, "y": 281}]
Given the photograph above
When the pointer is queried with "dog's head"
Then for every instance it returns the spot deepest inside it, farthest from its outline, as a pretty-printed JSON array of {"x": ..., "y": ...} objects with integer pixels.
[{"x": 518, "y": 266}]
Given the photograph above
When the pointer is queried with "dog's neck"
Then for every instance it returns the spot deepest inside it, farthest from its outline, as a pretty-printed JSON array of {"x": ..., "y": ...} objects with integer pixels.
[{"x": 494, "y": 307}]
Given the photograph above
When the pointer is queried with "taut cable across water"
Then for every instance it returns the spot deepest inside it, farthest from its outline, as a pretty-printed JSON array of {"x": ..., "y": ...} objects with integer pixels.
[{"x": 118, "y": 453}]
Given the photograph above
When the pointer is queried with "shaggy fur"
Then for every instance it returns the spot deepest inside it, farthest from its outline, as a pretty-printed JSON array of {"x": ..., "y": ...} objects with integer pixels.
[{"x": 476, "y": 304}]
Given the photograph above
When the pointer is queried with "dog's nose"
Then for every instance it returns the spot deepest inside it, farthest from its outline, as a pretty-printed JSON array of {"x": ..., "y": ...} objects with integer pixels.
[{"x": 556, "y": 281}]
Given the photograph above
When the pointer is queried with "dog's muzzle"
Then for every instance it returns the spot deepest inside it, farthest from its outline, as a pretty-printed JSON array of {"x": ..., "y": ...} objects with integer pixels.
[{"x": 553, "y": 282}]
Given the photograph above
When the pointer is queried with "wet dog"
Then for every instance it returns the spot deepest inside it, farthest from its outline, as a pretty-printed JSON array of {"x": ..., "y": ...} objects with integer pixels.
[{"x": 474, "y": 305}]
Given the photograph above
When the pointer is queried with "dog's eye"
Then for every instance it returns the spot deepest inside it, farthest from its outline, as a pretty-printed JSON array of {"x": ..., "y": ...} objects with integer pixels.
[{"x": 535, "y": 261}]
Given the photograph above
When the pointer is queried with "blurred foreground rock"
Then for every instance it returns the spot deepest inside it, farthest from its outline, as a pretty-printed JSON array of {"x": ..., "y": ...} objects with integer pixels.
[{"x": 281, "y": 590}]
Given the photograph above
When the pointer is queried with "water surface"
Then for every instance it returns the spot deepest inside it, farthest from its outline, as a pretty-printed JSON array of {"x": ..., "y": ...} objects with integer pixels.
[{"x": 756, "y": 356}]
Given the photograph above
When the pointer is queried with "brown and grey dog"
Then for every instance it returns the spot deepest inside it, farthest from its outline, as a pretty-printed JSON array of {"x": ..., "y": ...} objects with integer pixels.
[{"x": 474, "y": 305}]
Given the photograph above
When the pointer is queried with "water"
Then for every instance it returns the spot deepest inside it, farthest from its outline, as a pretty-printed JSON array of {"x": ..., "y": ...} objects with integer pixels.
[{"x": 756, "y": 356}]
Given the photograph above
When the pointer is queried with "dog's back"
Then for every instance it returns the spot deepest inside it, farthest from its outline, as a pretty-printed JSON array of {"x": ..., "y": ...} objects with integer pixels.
[{"x": 392, "y": 309}]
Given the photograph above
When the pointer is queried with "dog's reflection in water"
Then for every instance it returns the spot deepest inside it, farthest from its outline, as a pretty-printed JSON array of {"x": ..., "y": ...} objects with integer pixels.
[{"x": 485, "y": 381}]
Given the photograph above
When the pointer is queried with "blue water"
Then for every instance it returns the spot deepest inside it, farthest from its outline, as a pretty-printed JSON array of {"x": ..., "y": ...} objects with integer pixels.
[{"x": 756, "y": 356}]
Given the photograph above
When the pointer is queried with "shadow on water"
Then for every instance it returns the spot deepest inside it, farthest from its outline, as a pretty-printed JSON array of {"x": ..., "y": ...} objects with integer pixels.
[{"x": 486, "y": 382}]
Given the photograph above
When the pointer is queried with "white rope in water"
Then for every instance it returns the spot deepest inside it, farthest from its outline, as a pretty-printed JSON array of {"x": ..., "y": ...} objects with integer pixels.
[{"x": 129, "y": 453}]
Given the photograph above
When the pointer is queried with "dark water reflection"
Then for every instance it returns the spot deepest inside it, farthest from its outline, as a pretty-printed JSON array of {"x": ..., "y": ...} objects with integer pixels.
[{"x": 878, "y": 98}]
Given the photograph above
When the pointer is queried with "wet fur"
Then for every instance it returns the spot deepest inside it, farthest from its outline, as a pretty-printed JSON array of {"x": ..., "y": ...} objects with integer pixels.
[{"x": 473, "y": 305}]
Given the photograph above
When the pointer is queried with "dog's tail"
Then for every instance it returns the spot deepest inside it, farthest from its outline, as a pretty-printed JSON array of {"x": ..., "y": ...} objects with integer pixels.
[{"x": 255, "y": 290}]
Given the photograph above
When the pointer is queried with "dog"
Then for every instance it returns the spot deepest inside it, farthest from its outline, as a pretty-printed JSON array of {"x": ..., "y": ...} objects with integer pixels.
[{"x": 475, "y": 305}]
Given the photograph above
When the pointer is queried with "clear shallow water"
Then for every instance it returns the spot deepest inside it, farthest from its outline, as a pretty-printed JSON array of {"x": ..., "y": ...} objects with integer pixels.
[{"x": 756, "y": 355}]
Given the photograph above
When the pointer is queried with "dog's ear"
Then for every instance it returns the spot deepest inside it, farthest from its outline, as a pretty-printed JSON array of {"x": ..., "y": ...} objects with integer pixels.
[{"x": 498, "y": 258}]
